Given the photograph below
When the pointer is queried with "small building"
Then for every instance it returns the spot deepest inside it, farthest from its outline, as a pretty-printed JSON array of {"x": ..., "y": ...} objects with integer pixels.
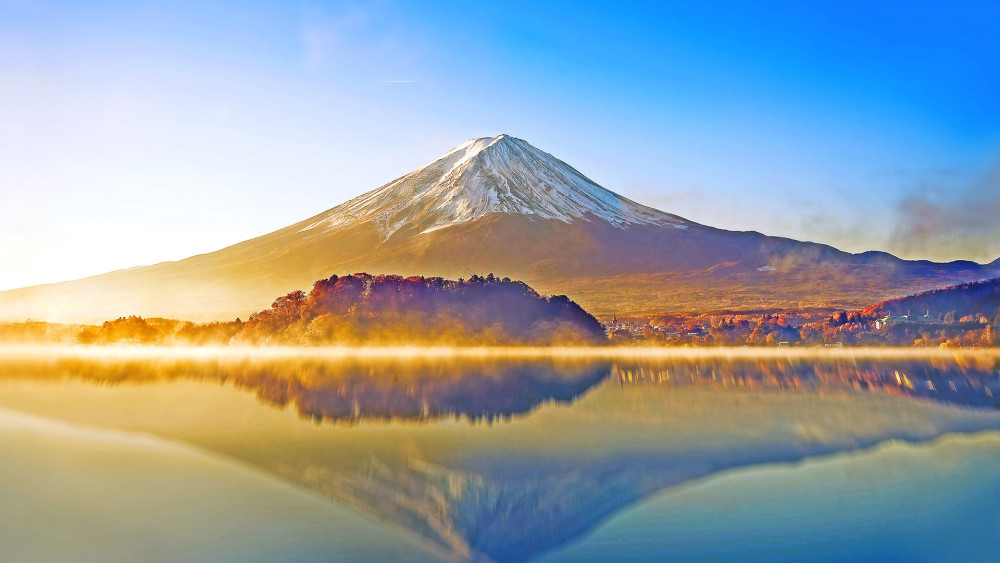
[{"x": 907, "y": 318}]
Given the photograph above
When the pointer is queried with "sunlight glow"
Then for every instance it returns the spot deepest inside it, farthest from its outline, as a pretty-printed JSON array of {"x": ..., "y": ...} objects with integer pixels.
[{"x": 458, "y": 352}]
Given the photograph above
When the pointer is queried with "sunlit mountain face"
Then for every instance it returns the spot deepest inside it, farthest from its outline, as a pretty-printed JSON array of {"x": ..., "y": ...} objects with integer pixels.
[
  {"x": 500, "y": 205},
  {"x": 506, "y": 459}
]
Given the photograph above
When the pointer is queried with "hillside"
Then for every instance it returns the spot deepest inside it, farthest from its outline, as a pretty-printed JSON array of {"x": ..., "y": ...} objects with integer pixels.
[
  {"x": 968, "y": 300},
  {"x": 962, "y": 315},
  {"x": 385, "y": 309}
]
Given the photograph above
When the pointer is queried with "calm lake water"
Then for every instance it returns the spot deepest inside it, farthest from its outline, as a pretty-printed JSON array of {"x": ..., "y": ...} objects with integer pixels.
[{"x": 118, "y": 455}]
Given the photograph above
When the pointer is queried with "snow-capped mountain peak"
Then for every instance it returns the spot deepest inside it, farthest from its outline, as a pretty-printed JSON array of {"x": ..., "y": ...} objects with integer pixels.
[{"x": 500, "y": 174}]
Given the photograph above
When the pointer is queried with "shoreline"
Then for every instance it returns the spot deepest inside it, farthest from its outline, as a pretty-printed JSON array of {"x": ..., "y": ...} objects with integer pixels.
[{"x": 63, "y": 351}]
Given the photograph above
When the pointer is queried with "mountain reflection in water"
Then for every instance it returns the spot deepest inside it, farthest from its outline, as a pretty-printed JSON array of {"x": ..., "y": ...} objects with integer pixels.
[{"x": 572, "y": 441}]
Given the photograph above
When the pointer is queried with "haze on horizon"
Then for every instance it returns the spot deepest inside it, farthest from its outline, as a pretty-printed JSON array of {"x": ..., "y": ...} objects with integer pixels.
[{"x": 132, "y": 134}]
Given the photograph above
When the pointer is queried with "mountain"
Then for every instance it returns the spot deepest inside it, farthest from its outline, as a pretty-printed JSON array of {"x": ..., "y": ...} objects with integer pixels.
[
  {"x": 485, "y": 176},
  {"x": 500, "y": 205}
]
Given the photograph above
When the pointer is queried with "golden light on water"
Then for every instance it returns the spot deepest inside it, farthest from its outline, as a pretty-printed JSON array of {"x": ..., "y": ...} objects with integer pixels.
[
  {"x": 433, "y": 442},
  {"x": 514, "y": 352}
]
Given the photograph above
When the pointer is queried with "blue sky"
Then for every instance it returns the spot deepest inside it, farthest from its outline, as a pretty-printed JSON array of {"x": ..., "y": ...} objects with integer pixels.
[{"x": 137, "y": 132}]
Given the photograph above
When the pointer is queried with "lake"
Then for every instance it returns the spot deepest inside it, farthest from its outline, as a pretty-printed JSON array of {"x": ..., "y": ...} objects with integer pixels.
[{"x": 123, "y": 454}]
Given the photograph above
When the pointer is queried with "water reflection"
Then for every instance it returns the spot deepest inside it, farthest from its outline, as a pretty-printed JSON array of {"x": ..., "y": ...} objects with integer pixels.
[
  {"x": 353, "y": 390},
  {"x": 579, "y": 440},
  {"x": 966, "y": 381}
]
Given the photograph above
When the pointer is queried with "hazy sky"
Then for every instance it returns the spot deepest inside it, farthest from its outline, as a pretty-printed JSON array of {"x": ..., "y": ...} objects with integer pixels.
[{"x": 137, "y": 132}]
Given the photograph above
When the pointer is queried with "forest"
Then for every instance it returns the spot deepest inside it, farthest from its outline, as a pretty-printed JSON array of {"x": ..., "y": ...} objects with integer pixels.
[
  {"x": 364, "y": 309},
  {"x": 123, "y": 330},
  {"x": 389, "y": 309}
]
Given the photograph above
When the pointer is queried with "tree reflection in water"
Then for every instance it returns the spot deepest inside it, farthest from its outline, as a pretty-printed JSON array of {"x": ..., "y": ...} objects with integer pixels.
[
  {"x": 353, "y": 390},
  {"x": 356, "y": 389},
  {"x": 971, "y": 381}
]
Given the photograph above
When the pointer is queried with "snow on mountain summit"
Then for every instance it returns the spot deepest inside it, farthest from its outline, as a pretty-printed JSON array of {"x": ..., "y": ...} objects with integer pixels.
[{"x": 501, "y": 174}]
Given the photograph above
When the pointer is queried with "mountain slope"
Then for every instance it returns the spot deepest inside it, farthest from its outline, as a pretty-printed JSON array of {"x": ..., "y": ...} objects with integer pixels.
[
  {"x": 484, "y": 176},
  {"x": 500, "y": 205}
]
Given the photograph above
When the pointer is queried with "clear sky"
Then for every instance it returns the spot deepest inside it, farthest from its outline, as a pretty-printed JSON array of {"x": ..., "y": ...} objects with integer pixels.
[{"x": 136, "y": 132}]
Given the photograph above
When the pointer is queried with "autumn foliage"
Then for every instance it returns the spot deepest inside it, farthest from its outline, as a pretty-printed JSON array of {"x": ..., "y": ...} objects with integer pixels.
[
  {"x": 963, "y": 315},
  {"x": 389, "y": 309},
  {"x": 137, "y": 330}
]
